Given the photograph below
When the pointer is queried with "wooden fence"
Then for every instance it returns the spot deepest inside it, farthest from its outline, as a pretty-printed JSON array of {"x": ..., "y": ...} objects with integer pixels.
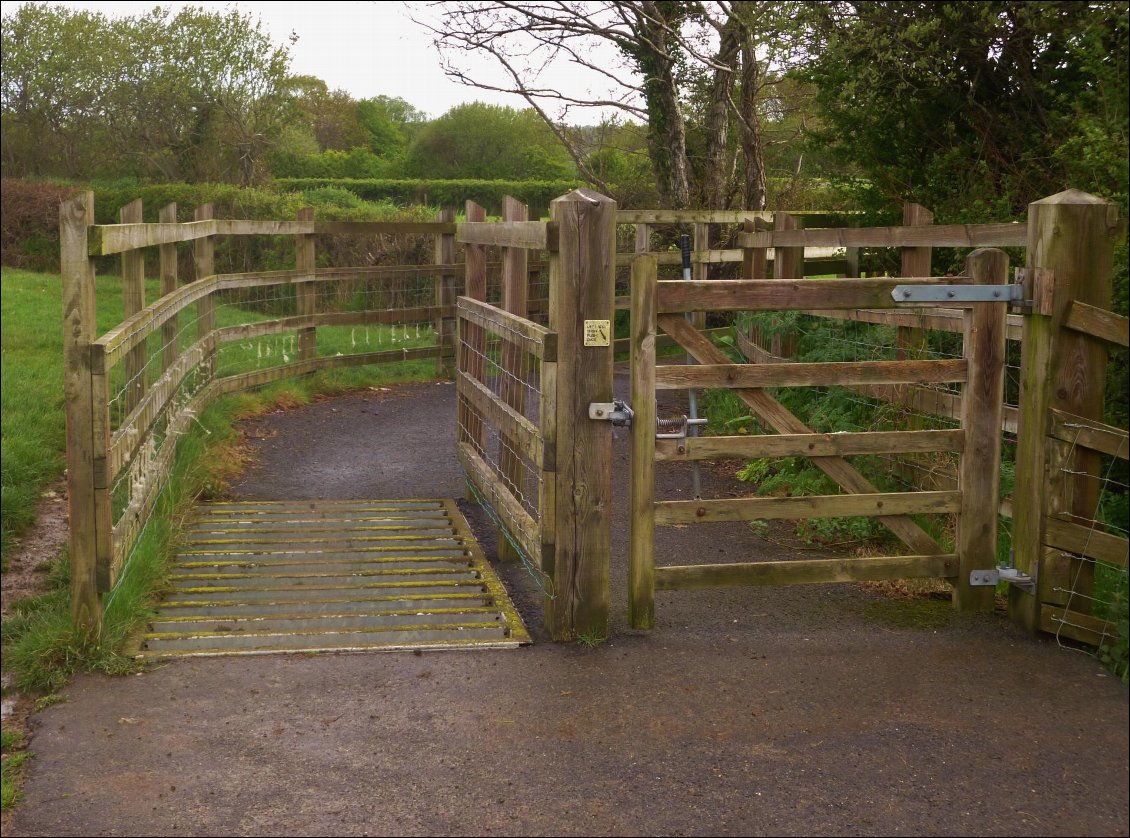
[
  {"x": 131, "y": 393},
  {"x": 134, "y": 391}
]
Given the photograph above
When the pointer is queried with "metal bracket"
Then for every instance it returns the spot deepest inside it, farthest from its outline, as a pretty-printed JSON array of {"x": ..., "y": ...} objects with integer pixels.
[
  {"x": 676, "y": 428},
  {"x": 618, "y": 412},
  {"x": 984, "y": 578},
  {"x": 1004, "y": 573},
  {"x": 958, "y": 293}
]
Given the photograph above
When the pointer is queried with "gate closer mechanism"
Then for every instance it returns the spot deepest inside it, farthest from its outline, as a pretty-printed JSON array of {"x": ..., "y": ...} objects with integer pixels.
[{"x": 676, "y": 428}]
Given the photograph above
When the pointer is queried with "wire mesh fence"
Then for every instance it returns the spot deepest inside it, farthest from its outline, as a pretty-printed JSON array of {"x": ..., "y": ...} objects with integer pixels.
[
  {"x": 239, "y": 326},
  {"x": 509, "y": 376},
  {"x": 1090, "y": 491}
]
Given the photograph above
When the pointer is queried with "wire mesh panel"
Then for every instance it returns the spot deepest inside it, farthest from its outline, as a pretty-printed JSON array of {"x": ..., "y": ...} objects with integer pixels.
[
  {"x": 1086, "y": 531},
  {"x": 227, "y": 332},
  {"x": 505, "y": 375}
]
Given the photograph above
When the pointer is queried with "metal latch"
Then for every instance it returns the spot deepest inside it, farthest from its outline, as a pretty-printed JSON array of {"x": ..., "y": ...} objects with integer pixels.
[
  {"x": 676, "y": 428},
  {"x": 958, "y": 293},
  {"x": 1003, "y": 573},
  {"x": 618, "y": 412}
]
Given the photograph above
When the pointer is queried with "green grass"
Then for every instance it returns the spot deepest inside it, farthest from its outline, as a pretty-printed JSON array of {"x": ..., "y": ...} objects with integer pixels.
[
  {"x": 33, "y": 432},
  {"x": 12, "y": 759},
  {"x": 32, "y": 425},
  {"x": 10, "y": 770},
  {"x": 39, "y": 641}
]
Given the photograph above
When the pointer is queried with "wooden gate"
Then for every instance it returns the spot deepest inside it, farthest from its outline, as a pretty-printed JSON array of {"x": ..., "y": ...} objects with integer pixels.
[{"x": 663, "y": 305}]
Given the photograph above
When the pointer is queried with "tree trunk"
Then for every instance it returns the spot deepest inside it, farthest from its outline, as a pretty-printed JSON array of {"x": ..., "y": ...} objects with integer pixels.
[
  {"x": 666, "y": 132},
  {"x": 716, "y": 176},
  {"x": 754, "y": 192}
]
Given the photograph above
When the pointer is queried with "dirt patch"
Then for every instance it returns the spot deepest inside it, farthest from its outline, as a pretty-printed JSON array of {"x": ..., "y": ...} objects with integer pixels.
[
  {"x": 789, "y": 711},
  {"x": 29, "y": 560}
]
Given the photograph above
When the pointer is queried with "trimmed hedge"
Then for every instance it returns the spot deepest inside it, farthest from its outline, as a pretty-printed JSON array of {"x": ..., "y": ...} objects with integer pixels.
[
  {"x": 442, "y": 193},
  {"x": 29, "y": 224}
]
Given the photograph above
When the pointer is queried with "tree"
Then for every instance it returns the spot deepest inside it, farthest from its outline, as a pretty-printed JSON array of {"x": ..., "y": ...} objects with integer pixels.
[
  {"x": 333, "y": 115},
  {"x": 975, "y": 109},
  {"x": 51, "y": 85},
  {"x": 665, "y": 48},
  {"x": 487, "y": 142},
  {"x": 198, "y": 95}
]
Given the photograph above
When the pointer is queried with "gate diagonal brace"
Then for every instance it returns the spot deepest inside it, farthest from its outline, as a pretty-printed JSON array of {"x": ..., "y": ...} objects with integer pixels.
[{"x": 777, "y": 416}]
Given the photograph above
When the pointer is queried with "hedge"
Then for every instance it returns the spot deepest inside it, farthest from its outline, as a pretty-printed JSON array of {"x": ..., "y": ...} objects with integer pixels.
[{"x": 442, "y": 193}]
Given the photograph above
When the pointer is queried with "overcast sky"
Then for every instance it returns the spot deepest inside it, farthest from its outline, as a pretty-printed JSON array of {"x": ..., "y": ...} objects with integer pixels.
[{"x": 366, "y": 48}]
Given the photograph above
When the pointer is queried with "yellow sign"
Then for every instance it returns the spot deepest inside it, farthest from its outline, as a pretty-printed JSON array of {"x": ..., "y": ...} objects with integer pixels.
[{"x": 598, "y": 332}]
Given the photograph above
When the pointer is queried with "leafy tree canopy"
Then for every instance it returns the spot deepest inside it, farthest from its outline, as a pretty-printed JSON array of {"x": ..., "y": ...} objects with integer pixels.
[
  {"x": 974, "y": 109},
  {"x": 488, "y": 141},
  {"x": 197, "y": 95}
]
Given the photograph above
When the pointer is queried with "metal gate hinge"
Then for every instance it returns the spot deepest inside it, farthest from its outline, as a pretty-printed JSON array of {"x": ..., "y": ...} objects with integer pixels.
[
  {"x": 618, "y": 412},
  {"x": 958, "y": 293},
  {"x": 1004, "y": 573}
]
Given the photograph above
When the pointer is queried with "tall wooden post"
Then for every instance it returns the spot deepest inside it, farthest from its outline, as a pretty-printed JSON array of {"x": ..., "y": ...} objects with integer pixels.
[
  {"x": 133, "y": 301},
  {"x": 700, "y": 267},
  {"x": 169, "y": 280},
  {"x": 515, "y": 299},
  {"x": 914, "y": 261},
  {"x": 304, "y": 295},
  {"x": 643, "y": 238},
  {"x": 911, "y": 343},
  {"x": 475, "y": 257},
  {"x": 75, "y": 216},
  {"x": 1070, "y": 257},
  {"x": 788, "y": 264},
  {"x": 982, "y": 403},
  {"x": 641, "y": 567},
  {"x": 203, "y": 252},
  {"x": 582, "y": 288},
  {"x": 474, "y": 338},
  {"x": 755, "y": 262},
  {"x": 787, "y": 261},
  {"x": 445, "y": 296}
]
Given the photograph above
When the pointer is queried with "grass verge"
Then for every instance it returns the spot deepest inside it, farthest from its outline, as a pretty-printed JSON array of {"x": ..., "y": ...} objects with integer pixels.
[
  {"x": 39, "y": 640},
  {"x": 13, "y": 756}
]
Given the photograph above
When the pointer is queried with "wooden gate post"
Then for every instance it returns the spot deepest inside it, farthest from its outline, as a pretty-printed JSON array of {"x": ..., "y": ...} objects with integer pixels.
[
  {"x": 641, "y": 566},
  {"x": 582, "y": 288},
  {"x": 788, "y": 263},
  {"x": 75, "y": 216},
  {"x": 1070, "y": 258},
  {"x": 169, "y": 282},
  {"x": 915, "y": 261},
  {"x": 473, "y": 340},
  {"x": 982, "y": 403}
]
